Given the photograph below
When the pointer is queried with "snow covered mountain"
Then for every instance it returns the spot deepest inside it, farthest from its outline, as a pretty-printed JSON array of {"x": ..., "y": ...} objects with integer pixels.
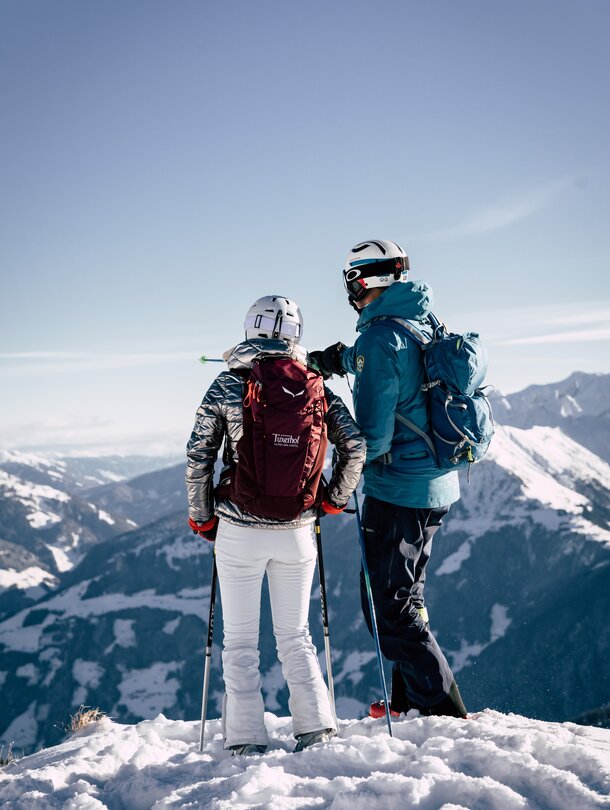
[
  {"x": 490, "y": 761},
  {"x": 52, "y": 511},
  {"x": 579, "y": 405},
  {"x": 146, "y": 498},
  {"x": 520, "y": 591},
  {"x": 518, "y": 595},
  {"x": 73, "y": 473},
  {"x": 44, "y": 531}
]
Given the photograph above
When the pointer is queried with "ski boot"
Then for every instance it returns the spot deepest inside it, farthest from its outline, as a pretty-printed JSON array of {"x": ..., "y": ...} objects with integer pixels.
[
  {"x": 451, "y": 706},
  {"x": 313, "y": 738},
  {"x": 247, "y": 750},
  {"x": 399, "y": 702},
  {"x": 378, "y": 710}
]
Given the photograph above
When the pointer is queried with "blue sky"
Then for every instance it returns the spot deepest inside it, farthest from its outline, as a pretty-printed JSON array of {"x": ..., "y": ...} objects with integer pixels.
[{"x": 165, "y": 163}]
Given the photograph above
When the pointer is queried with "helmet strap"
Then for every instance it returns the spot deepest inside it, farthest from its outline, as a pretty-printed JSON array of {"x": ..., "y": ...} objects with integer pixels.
[{"x": 277, "y": 327}]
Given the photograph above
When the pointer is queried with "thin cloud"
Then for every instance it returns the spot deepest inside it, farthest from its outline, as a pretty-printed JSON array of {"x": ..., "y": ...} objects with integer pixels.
[
  {"x": 90, "y": 436},
  {"x": 542, "y": 323},
  {"x": 42, "y": 355},
  {"x": 504, "y": 213},
  {"x": 600, "y": 316},
  {"x": 27, "y": 363},
  {"x": 559, "y": 337}
]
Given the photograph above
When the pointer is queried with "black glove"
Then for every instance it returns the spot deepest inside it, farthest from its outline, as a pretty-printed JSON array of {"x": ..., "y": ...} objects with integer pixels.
[{"x": 328, "y": 362}]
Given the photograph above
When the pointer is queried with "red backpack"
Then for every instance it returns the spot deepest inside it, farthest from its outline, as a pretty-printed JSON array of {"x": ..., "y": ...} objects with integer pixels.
[{"x": 283, "y": 447}]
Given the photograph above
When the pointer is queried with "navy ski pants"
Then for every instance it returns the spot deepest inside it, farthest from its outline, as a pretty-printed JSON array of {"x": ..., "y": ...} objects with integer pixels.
[{"x": 398, "y": 542}]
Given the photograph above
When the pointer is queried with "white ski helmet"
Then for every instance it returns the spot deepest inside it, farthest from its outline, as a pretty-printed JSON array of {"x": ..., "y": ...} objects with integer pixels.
[
  {"x": 273, "y": 316},
  {"x": 375, "y": 263}
]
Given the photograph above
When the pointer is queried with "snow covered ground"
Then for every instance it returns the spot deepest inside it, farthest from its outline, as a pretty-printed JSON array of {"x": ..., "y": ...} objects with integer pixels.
[{"x": 491, "y": 761}]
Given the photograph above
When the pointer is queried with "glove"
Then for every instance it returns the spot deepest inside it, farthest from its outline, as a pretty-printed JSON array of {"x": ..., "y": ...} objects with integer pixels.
[
  {"x": 330, "y": 509},
  {"x": 328, "y": 362},
  {"x": 327, "y": 506},
  {"x": 207, "y": 530}
]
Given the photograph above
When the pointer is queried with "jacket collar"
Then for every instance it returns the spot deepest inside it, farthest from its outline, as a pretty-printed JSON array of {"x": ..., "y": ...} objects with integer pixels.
[
  {"x": 412, "y": 301},
  {"x": 241, "y": 357}
]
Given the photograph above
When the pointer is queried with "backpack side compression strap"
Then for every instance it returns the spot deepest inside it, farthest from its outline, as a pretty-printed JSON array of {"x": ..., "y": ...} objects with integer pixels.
[{"x": 421, "y": 433}]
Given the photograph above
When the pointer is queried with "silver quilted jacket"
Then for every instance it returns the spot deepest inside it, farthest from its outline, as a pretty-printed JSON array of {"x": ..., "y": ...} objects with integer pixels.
[{"x": 219, "y": 418}]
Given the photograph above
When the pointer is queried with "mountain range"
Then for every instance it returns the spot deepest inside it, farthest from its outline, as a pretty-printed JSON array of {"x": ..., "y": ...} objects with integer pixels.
[
  {"x": 518, "y": 589},
  {"x": 579, "y": 405},
  {"x": 53, "y": 510}
]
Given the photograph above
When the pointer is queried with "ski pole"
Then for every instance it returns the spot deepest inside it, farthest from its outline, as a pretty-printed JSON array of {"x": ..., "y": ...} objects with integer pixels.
[
  {"x": 323, "y": 602},
  {"x": 203, "y": 359},
  {"x": 208, "y": 655},
  {"x": 369, "y": 593}
]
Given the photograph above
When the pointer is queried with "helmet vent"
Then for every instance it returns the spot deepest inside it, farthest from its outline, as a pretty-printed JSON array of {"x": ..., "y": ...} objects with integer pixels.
[{"x": 364, "y": 245}]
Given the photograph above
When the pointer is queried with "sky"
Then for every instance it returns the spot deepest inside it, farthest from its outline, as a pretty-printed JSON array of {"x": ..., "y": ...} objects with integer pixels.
[{"x": 163, "y": 163}]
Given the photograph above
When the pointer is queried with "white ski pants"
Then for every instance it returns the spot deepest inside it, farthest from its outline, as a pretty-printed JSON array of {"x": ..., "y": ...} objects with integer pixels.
[{"x": 288, "y": 556}]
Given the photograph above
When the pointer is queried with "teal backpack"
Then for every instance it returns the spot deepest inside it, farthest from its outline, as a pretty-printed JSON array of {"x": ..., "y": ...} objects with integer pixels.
[{"x": 460, "y": 412}]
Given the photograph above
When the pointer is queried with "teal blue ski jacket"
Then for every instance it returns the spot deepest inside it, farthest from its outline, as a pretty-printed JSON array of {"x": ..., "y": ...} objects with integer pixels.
[{"x": 389, "y": 372}]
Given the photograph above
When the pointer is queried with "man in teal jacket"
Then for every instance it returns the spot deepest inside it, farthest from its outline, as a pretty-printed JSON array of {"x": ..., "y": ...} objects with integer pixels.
[{"x": 406, "y": 493}]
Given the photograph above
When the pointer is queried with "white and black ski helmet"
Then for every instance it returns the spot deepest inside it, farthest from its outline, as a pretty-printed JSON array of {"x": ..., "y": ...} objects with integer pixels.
[
  {"x": 374, "y": 263},
  {"x": 274, "y": 316}
]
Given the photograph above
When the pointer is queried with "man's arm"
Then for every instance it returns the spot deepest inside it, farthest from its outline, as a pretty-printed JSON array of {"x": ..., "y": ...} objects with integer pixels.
[{"x": 375, "y": 363}]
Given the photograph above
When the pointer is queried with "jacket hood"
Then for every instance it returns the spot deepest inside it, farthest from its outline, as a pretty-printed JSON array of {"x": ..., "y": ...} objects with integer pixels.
[
  {"x": 411, "y": 301},
  {"x": 242, "y": 356}
]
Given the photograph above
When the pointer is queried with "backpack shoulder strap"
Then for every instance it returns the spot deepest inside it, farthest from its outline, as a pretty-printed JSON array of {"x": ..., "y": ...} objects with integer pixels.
[
  {"x": 407, "y": 328},
  {"x": 421, "y": 339},
  {"x": 412, "y": 331}
]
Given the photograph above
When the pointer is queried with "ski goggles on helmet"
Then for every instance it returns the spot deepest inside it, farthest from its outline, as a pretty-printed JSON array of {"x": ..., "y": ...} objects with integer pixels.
[
  {"x": 361, "y": 278},
  {"x": 276, "y": 327}
]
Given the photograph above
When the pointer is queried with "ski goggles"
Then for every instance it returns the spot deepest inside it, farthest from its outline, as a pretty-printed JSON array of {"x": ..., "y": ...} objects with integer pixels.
[
  {"x": 385, "y": 272},
  {"x": 277, "y": 327}
]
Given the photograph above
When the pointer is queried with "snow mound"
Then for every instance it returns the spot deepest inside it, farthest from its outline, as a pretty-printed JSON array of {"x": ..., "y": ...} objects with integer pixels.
[{"x": 490, "y": 762}]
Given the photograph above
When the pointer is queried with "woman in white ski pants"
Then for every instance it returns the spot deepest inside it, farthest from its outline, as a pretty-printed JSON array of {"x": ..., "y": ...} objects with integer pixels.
[
  {"x": 250, "y": 546},
  {"x": 288, "y": 557}
]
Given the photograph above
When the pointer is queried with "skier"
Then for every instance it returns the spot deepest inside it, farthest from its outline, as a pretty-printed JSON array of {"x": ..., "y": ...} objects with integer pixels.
[
  {"x": 273, "y": 536},
  {"x": 406, "y": 494}
]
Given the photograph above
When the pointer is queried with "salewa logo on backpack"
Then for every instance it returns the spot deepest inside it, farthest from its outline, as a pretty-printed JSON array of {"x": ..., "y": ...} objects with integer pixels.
[
  {"x": 282, "y": 439},
  {"x": 288, "y": 391}
]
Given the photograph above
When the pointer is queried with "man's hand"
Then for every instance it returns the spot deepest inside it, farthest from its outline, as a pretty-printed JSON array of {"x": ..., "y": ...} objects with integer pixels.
[
  {"x": 328, "y": 362},
  {"x": 207, "y": 530}
]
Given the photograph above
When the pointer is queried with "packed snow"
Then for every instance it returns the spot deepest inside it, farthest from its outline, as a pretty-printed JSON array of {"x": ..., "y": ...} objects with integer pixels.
[{"x": 489, "y": 762}]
